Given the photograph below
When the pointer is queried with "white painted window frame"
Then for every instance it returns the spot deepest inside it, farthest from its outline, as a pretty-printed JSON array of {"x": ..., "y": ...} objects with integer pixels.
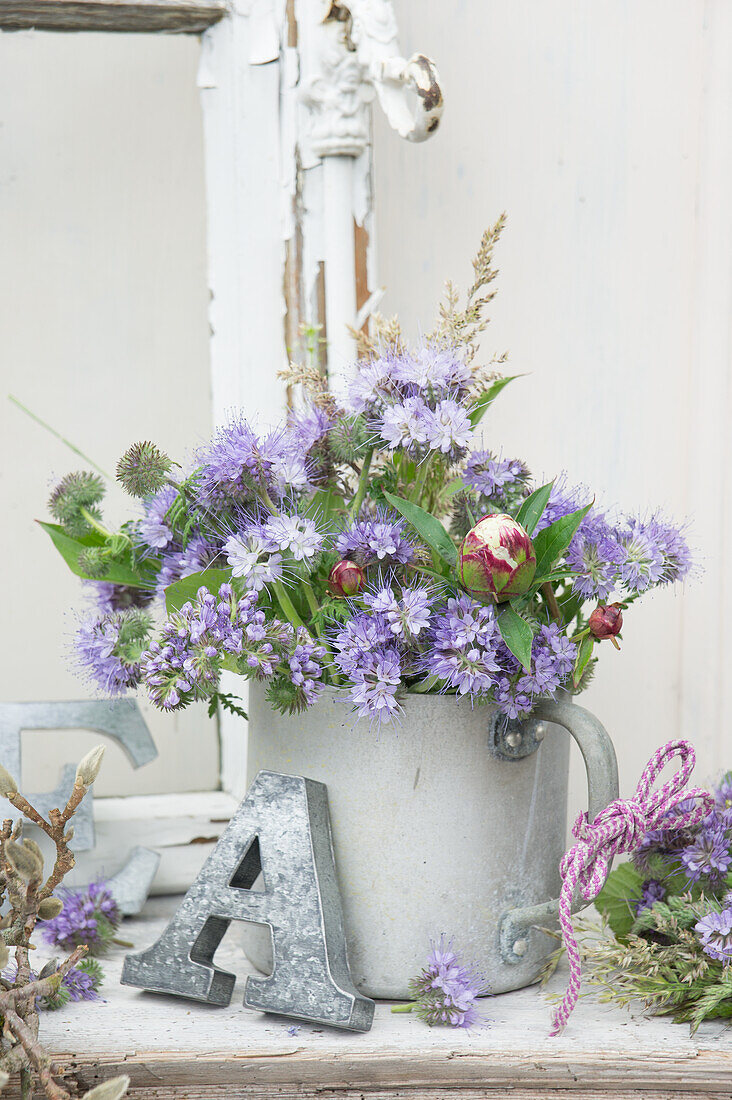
[{"x": 286, "y": 88}]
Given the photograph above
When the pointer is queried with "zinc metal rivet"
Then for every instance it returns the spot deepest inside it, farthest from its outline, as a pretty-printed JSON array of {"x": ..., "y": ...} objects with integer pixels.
[
  {"x": 519, "y": 947},
  {"x": 514, "y": 738},
  {"x": 540, "y": 731}
]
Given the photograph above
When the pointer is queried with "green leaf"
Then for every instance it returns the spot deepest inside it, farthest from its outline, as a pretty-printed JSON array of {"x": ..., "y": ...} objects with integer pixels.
[
  {"x": 550, "y": 544},
  {"x": 457, "y": 485},
  {"x": 430, "y": 528},
  {"x": 623, "y": 886},
  {"x": 180, "y": 592},
  {"x": 517, "y": 634},
  {"x": 228, "y": 702},
  {"x": 119, "y": 572},
  {"x": 533, "y": 507},
  {"x": 584, "y": 654},
  {"x": 486, "y": 399}
]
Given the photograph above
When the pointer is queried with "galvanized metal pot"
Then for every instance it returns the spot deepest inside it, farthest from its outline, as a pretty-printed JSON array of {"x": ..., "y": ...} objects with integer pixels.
[{"x": 453, "y": 821}]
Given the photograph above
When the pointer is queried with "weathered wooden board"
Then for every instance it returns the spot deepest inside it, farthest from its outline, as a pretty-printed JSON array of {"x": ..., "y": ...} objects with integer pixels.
[
  {"x": 175, "y": 1049},
  {"x": 172, "y": 16}
]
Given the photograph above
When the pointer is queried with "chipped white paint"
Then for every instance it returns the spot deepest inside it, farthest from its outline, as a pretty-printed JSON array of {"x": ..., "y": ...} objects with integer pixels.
[{"x": 348, "y": 54}]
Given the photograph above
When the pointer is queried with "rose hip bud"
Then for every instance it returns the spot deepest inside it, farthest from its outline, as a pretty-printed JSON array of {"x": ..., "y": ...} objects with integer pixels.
[
  {"x": 496, "y": 559},
  {"x": 606, "y": 622},
  {"x": 346, "y": 578}
]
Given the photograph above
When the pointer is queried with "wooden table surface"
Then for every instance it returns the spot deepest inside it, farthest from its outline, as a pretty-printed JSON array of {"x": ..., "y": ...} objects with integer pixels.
[{"x": 173, "y": 1048}]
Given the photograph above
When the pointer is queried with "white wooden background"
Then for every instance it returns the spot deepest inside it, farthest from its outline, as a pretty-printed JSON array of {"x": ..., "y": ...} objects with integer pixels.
[{"x": 603, "y": 128}]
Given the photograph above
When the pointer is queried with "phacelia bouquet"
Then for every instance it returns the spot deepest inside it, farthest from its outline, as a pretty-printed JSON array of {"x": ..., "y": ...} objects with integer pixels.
[
  {"x": 370, "y": 542},
  {"x": 667, "y": 934}
]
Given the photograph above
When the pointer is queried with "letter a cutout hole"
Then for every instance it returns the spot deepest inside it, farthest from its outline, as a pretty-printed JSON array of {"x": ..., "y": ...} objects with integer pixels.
[{"x": 282, "y": 828}]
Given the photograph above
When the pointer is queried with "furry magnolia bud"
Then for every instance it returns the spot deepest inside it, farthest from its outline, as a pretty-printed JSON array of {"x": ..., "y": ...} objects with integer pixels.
[
  {"x": 114, "y": 1089},
  {"x": 50, "y": 908},
  {"x": 50, "y": 967},
  {"x": 8, "y": 785},
  {"x": 24, "y": 861},
  {"x": 33, "y": 847},
  {"x": 88, "y": 768}
]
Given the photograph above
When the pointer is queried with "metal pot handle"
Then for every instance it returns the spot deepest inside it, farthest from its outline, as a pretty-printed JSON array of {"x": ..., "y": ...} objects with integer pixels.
[{"x": 602, "y": 788}]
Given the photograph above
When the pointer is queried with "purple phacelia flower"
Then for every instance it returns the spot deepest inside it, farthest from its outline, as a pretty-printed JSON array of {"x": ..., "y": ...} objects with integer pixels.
[
  {"x": 237, "y": 465},
  {"x": 88, "y": 917},
  {"x": 494, "y": 477},
  {"x": 309, "y": 425},
  {"x": 432, "y": 367},
  {"x": 253, "y": 556},
  {"x": 108, "y": 649},
  {"x": 715, "y": 935},
  {"x": 152, "y": 530},
  {"x": 448, "y": 428},
  {"x": 405, "y": 424},
  {"x": 375, "y": 685},
  {"x": 651, "y": 892},
  {"x": 407, "y": 613},
  {"x": 381, "y": 540},
  {"x": 708, "y": 855},
  {"x": 446, "y": 992},
  {"x": 295, "y": 534},
  {"x": 643, "y": 563}
]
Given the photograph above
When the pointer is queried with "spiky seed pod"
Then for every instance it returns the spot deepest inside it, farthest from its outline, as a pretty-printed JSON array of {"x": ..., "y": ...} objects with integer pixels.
[
  {"x": 143, "y": 469},
  {"x": 74, "y": 492},
  {"x": 50, "y": 908},
  {"x": 8, "y": 785},
  {"x": 94, "y": 561},
  {"x": 23, "y": 861},
  {"x": 89, "y": 766},
  {"x": 114, "y": 1089},
  {"x": 349, "y": 439}
]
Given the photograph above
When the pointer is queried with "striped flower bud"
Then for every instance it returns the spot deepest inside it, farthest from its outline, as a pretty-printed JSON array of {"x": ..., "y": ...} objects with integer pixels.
[{"x": 496, "y": 560}]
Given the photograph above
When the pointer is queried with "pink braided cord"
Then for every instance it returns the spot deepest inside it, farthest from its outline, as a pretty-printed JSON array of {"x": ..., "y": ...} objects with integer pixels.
[{"x": 618, "y": 829}]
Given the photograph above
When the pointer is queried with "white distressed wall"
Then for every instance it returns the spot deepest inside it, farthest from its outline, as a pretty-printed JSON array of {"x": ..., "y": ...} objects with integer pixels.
[
  {"x": 103, "y": 332},
  {"x": 603, "y": 128}
]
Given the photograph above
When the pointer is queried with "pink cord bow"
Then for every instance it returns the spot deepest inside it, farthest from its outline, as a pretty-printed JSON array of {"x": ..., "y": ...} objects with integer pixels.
[{"x": 617, "y": 829}]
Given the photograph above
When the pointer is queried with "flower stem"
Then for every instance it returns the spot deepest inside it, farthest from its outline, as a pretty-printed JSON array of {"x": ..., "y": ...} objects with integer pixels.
[
  {"x": 420, "y": 481},
  {"x": 287, "y": 605},
  {"x": 314, "y": 609},
  {"x": 363, "y": 483},
  {"x": 547, "y": 592},
  {"x": 58, "y": 435},
  {"x": 402, "y": 1008},
  {"x": 95, "y": 523}
]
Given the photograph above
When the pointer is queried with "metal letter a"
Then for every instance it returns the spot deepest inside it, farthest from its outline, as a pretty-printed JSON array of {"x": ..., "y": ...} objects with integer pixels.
[{"x": 283, "y": 829}]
